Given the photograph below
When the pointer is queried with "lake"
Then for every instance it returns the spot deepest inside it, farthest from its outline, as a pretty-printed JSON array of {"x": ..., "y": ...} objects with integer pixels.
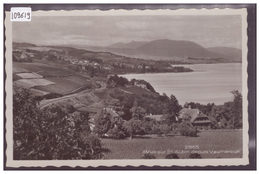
[{"x": 209, "y": 83}]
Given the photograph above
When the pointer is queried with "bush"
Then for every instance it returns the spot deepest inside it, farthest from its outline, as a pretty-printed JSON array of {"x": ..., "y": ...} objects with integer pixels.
[
  {"x": 195, "y": 156},
  {"x": 172, "y": 156},
  {"x": 133, "y": 127},
  {"x": 175, "y": 128},
  {"x": 148, "y": 156},
  {"x": 116, "y": 133},
  {"x": 164, "y": 129},
  {"x": 92, "y": 146},
  {"x": 155, "y": 129},
  {"x": 186, "y": 129}
]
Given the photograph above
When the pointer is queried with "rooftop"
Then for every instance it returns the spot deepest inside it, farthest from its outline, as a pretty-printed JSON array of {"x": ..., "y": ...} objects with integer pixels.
[{"x": 193, "y": 114}]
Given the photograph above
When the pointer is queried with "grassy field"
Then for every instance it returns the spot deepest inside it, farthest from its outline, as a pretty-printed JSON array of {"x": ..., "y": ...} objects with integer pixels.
[{"x": 209, "y": 144}]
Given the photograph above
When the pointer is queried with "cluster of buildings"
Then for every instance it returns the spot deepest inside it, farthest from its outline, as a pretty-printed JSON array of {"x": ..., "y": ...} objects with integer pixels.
[{"x": 194, "y": 116}]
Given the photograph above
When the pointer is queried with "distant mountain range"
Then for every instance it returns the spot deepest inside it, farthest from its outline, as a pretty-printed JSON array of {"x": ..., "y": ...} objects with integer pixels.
[{"x": 178, "y": 50}]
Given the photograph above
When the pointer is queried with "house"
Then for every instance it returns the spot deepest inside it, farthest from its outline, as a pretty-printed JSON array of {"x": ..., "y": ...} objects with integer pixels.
[
  {"x": 139, "y": 84},
  {"x": 111, "y": 111},
  {"x": 155, "y": 117},
  {"x": 195, "y": 116},
  {"x": 91, "y": 124}
]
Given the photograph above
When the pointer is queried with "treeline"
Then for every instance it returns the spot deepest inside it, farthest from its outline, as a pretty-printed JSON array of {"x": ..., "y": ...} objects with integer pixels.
[
  {"x": 116, "y": 81},
  {"x": 128, "y": 116},
  {"x": 154, "y": 67}
]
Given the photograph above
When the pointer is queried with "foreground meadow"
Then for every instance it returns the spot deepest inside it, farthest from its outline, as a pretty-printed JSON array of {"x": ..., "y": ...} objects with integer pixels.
[{"x": 209, "y": 144}]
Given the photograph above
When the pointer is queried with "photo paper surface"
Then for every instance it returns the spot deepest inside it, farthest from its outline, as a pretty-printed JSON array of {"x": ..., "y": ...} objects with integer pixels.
[{"x": 127, "y": 88}]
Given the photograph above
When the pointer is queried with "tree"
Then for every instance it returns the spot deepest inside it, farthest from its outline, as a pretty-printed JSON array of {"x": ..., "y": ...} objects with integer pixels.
[
  {"x": 150, "y": 87},
  {"x": 50, "y": 134},
  {"x": 133, "y": 127},
  {"x": 164, "y": 129},
  {"x": 186, "y": 129},
  {"x": 237, "y": 110},
  {"x": 137, "y": 111},
  {"x": 127, "y": 104},
  {"x": 118, "y": 131},
  {"x": 92, "y": 71},
  {"x": 149, "y": 126},
  {"x": 173, "y": 109},
  {"x": 144, "y": 69},
  {"x": 102, "y": 123},
  {"x": 229, "y": 115}
]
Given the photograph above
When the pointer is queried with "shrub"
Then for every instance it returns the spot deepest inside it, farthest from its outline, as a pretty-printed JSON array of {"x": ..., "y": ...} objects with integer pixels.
[
  {"x": 195, "y": 156},
  {"x": 164, "y": 128},
  {"x": 116, "y": 133},
  {"x": 172, "y": 156},
  {"x": 155, "y": 129},
  {"x": 175, "y": 128},
  {"x": 92, "y": 146},
  {"x": 148, "y": 156},
  {"x": 133, "y": 127},
  {"x": 186, "y": 129}
]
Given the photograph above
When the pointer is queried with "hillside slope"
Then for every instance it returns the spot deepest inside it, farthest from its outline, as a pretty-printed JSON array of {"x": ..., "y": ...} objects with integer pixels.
[
  {"x": 234, "y": 54},
  {"x": 130, "y": 45},
  {"x": 165, "y": 49},
  {"x": 173, "y": 48}
]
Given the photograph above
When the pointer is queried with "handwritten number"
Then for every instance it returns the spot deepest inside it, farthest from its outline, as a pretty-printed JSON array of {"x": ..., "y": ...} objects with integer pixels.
[{"x": 28, "y": 14}]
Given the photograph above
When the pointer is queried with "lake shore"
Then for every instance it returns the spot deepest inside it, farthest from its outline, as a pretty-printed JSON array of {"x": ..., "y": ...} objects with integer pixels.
[{"x": 208, "y": 83}]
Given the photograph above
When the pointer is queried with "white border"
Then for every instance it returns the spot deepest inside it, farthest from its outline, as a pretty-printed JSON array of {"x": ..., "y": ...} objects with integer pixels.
[{"x": 159, "y": 162}]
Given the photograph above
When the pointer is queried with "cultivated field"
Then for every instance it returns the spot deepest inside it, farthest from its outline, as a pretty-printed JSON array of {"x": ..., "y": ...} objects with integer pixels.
[
  {"x": 44, "y": 70},
  {"x": 209, "y": 144},
  {"x": 29, "y": 83},
  {"x": 47, "y": 78},
  {"x": 64, "y": 85},
  {"x": 29, "y": 75}
]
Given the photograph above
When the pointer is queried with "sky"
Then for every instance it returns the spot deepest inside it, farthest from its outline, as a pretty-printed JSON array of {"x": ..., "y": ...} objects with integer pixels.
[{"x": 208, "y": 31}]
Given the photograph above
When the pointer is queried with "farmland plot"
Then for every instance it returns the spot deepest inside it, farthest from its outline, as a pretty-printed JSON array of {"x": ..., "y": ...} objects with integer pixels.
[
  {"x": 29, "y": 75},
  {"x": 29, "y": 83},
  {"x": 64, "y": 85},
  {"x": 18, "y": 69}
]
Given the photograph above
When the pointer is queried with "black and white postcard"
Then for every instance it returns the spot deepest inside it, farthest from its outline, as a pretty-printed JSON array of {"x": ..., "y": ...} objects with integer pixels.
[{"x": 126, "y": 87}]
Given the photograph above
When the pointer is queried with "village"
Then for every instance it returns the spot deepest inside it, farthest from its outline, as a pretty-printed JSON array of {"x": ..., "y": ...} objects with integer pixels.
[{"x": 92, "y": 63}]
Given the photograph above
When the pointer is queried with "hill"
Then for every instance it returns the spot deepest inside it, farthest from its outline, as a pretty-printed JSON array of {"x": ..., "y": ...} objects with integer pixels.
[
  {"x": 231, "y": 53},
  {"x": 130, "y": 45},
  {"x": 173, "y": 48},
  {"x": 165, "y": 49},
  {"x": 22, "y": 44}
]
